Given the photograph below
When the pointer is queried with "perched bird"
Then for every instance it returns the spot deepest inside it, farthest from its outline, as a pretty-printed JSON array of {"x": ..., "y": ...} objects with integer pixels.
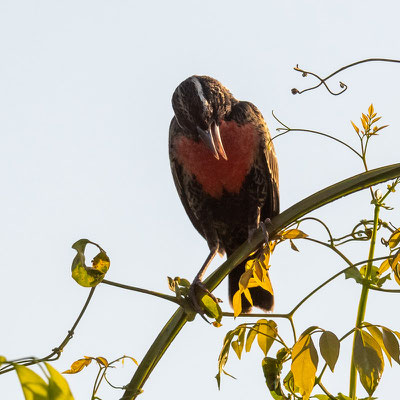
[{"x": 225, "y": 171}]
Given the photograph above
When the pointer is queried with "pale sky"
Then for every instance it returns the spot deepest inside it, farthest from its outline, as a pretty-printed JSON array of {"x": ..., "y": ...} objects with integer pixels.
[{"x": 85, "y": 89}]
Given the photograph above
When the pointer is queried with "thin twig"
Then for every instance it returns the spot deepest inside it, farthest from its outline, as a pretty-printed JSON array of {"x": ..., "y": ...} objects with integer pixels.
[
  {"x": 56, "y": 352},
  {"x": 322, "y": 81}
]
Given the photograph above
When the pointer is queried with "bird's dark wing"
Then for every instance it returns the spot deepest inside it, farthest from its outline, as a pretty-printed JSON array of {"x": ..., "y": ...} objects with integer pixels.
[
  {"x": 185, "y": 185},
  {"x": 264, "y": 176}
]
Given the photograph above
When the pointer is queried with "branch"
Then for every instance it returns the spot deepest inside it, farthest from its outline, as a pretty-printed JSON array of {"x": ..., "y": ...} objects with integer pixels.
[{"x": 311, "y": 203}]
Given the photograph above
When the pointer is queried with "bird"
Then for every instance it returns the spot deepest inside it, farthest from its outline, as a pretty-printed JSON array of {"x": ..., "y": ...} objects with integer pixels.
[{"x": 225, "y": 170}]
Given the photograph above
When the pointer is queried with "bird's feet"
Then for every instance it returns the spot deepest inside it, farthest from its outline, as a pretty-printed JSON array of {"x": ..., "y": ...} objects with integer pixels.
[
  {"x": 197, "y": 291},
  {"x": 263, "y": 226}
]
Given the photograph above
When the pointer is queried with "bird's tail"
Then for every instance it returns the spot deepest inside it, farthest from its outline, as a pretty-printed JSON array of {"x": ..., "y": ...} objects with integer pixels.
[{"x": 261, "y": 298}]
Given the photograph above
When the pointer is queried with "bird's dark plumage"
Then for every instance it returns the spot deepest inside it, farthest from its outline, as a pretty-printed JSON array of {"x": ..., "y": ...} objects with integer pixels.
[{"x": 224, "y": 168}]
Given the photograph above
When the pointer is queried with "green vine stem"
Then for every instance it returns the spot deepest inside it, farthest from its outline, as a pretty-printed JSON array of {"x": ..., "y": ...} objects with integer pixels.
[
  {"x": 362, "y": 305},
  {"x": 311, "y": 203}
]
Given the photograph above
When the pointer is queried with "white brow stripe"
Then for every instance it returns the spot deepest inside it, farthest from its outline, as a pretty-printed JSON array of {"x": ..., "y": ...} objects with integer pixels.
[{"x": 200, "y": 92}]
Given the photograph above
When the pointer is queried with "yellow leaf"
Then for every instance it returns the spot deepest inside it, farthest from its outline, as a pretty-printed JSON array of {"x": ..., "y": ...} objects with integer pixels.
[
  {"x": 394, "y": 239},
  {"x": 33, "y": 386},
  {"x": 375, "y": 120},
  {"x": 396, "y": 273},
  {"x": 304, "y": 365},
  {"x": 371, "y": 109},
  {"x": 381, "y": 127},
  {"x": 355, "y": 127},
  {"x": 294, "y": 234},
  {"x": 58, "y": 385},
  {"x": 78, "y": 365},
  {"x": 102, "y": 361},
  {"x": 384, "y": 267},
  {"x": 364, "y": 124},
  {"x": 267, "y": 332},
  {"x": 237, "y": 303},
  {"x": 101, "y": 262},
  {"x": 248, "y": 296}
]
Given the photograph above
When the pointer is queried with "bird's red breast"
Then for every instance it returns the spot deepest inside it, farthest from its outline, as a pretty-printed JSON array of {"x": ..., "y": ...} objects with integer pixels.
[{"x": 241, "y": 144}]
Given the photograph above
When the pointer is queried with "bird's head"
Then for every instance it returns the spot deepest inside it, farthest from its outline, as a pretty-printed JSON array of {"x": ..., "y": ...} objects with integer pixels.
[{"x": 200, "y": 104}]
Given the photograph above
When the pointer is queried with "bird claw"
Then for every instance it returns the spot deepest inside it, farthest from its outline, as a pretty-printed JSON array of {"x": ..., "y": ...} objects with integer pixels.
[
  {"x": 195, "y": 289},
  {"x": 263, "y": 226}
]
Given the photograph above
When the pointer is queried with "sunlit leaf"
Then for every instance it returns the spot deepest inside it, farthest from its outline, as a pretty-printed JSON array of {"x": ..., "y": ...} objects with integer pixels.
[
  {"x": 2, "y": 360},
  {"x": 321, "y": 396},
  {"x": 364, "y": 124},
  {"x": 394, "y": 239},
  {"x": 238, "y": 345},
  {"x": 89, "y": 276},
  {"x": 251, "y": 335},
  {"x": 294, "y": 234},
  {"x": 329, "y": 346},
  {"x": 368, "y": 360},
  {"x": 33, "y": 386},
  {"x": 267, "y": 332},
  {"x": 384, "y": 267},
  {"x": 78, "y": 365},
  {"x": 171, "y": 284},
  {"x": 371, "y": 110},
  {"x": 237, "y": 303},
  {"x": 211, "y": 307},
  {"x": 391, "y": 344},
  {"x": 102, "y": 361},
  {"x": 58, "y": 386},
  {"x": 355, "y": 127},
  {"x": 304, "y": 365}
]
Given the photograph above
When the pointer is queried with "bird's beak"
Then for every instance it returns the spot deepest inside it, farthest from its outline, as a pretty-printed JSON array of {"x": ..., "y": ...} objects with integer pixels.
[{"x": 212, "y": 139}]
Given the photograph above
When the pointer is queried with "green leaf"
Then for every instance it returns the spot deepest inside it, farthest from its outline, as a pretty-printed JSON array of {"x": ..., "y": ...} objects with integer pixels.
[
  {"x": 33, "y": 386},
  {"x": 272, "y": 372},
  {"x": 341, "y": 396},
  {"x": 353, "y": 273},
  {"x": 309, "y": 330},
  {"x": 89, "y": 276},
  {"x": 58, "y": 386},
  {"x": 288, "y": 383},
  {"x": 391, "y": 344},
  {"x": 377, "y": 335},
  {"x": 368, "y": 360},
  {"x": 211, "y": 307},
  {"x": 304, "y": 365},
  {"x": 329, "y": 346},
  {"x": 321, "y": 397},
  {"x": 267, "y": 331}
]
